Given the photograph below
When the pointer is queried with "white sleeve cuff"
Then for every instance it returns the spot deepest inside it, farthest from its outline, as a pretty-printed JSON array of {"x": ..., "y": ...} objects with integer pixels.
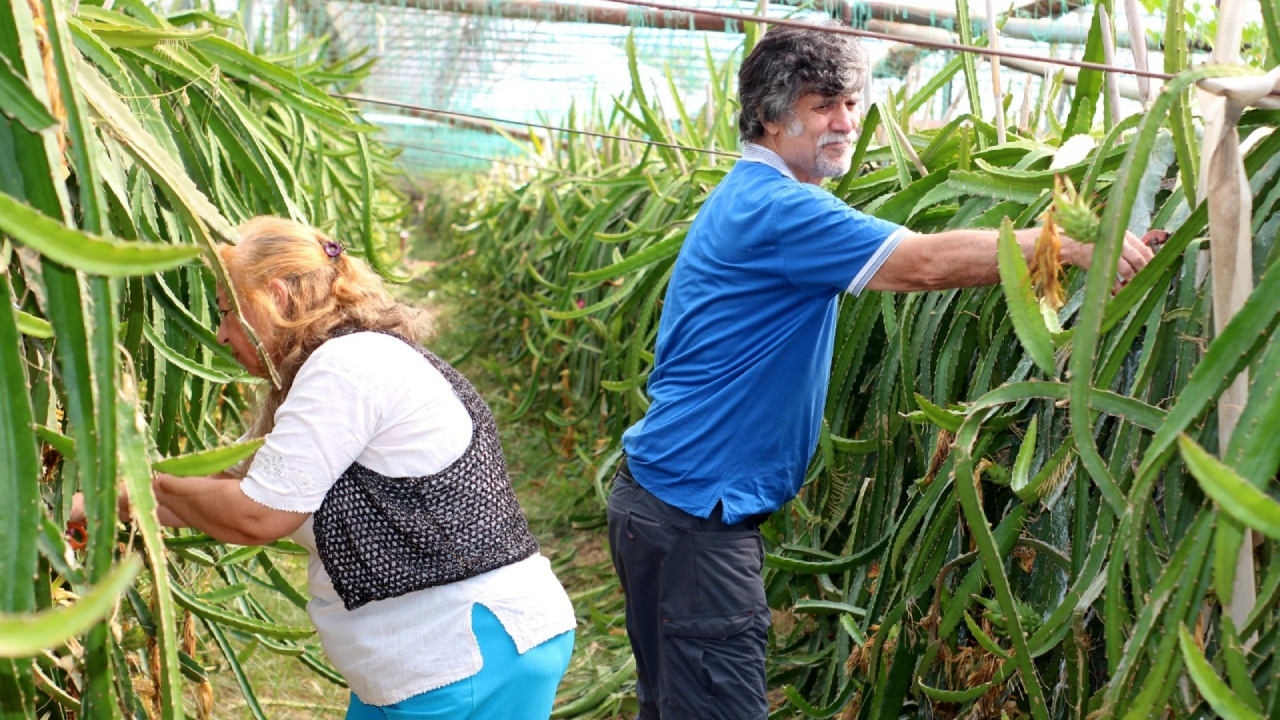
[{"x": 882, "y": 253}]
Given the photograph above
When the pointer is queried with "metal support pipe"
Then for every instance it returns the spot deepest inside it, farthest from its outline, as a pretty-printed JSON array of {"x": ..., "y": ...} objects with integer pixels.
[{"x": 859, "y": 15}]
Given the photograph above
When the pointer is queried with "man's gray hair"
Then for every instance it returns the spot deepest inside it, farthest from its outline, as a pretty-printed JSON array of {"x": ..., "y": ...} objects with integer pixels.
[{"x": 789, "y": 62}]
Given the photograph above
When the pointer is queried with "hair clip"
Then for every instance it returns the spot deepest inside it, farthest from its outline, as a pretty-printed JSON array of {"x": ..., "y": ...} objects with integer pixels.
[{"x": 332, "y": 249}]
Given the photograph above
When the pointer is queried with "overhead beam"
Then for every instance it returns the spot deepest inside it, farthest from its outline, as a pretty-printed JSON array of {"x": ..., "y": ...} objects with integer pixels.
[
  {"x": 1037, "y": 21},
  {"x": 858, "y": 15},
  {"x": 571, "y": 12},
  {"x": 1048, "y": 8},
  {"x": 1128, "y": 86}
]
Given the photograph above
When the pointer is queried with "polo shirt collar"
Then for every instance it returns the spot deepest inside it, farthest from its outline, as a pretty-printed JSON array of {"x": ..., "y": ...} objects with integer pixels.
[{"x": 753, "y": 152}]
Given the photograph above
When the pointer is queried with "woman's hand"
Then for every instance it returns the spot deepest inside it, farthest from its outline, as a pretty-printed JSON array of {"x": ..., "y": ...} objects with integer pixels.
[
  {"x": 124, "y": 509},
  {"x": 218, "y": 507},
  {"x": 76, "y": 516},
  {"x": 77, "y": 534}
]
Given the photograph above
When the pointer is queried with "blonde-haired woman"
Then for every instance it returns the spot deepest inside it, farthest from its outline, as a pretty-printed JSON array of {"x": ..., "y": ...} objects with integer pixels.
[{"x": 428, "y": 590}]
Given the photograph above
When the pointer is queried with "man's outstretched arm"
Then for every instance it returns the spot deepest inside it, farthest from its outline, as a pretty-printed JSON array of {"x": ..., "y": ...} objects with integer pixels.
[{"x": 967, "y": 258}]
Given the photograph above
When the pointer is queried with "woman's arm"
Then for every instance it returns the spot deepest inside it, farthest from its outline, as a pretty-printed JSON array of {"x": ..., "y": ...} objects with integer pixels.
[{"x": 218, "y": 507}]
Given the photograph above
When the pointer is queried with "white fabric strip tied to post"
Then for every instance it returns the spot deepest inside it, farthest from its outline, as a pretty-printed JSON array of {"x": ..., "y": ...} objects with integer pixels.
[{"x": 1224, "y": 185}]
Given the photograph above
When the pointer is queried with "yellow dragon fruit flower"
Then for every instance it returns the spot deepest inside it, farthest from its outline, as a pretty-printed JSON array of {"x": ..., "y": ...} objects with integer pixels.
[{"x": 1046, "y": 267}]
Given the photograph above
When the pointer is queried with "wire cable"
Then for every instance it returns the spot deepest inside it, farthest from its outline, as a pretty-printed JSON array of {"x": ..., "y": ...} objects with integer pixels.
[
  {"x": 482, "y": 158},
  {"x": 521, "y": 123}
]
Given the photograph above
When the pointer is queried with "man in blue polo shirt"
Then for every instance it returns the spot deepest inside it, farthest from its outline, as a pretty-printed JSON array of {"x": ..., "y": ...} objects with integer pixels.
[{"x": 741, "y": 370}]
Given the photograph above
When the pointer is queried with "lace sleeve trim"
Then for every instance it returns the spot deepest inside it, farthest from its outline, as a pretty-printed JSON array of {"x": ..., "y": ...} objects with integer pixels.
[{"x": 271, "y": 481}]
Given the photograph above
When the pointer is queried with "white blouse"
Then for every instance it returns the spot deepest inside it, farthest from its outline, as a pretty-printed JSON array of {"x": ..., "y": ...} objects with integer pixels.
[{"x": 372, "y": 399}]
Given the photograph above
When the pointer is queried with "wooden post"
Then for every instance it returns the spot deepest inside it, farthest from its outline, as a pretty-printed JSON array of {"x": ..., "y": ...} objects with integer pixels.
[
  {"x": 1138, "y": 44},
  {"x": 1109, "y": 53},
  {"x": 993, "y": 35},
  {"x": 1225, "y": 188}
]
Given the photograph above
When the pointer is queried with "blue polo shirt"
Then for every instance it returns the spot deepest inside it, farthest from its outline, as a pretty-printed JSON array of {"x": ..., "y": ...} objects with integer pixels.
[{"x": 744, "y": 346}]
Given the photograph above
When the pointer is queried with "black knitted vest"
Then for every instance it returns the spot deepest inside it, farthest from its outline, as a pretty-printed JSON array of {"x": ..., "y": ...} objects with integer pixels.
[{"x": 381, "y": 537}]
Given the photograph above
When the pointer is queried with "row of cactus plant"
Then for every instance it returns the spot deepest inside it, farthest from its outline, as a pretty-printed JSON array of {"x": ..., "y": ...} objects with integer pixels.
[
  {"x": 131, "y": 141},
  {"x": 1019, "y": 504}
]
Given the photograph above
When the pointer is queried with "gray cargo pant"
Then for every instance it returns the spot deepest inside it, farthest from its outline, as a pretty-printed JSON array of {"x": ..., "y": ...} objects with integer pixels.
[{"x": 696, "y": 611}]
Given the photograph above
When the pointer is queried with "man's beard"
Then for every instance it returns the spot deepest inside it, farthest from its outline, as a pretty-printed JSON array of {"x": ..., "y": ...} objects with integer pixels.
[
  {"x": 833, "y": 168},
  {"x": 825, "y": 166}
]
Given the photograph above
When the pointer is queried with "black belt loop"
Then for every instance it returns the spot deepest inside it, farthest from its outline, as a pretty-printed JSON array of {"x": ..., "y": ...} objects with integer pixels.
[{"x": 624, "y": 469}]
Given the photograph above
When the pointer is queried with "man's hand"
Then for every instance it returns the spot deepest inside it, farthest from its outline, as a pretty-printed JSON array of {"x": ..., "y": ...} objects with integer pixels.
[{"x": 1134, "y": 255}]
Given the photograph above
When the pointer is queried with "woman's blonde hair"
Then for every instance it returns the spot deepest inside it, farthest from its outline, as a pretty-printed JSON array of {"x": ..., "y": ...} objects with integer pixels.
[{"x": 328, "y": 290}]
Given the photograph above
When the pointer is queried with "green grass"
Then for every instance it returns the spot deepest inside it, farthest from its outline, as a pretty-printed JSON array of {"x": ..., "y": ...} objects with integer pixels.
[{"x": 285, "y": 688}]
